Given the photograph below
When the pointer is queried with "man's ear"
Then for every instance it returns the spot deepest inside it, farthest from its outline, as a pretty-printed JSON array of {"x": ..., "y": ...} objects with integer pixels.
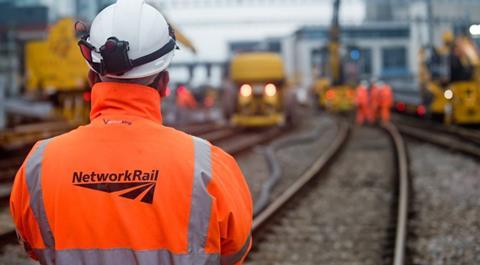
[
  {"x": 162, "y": 83},
  {"x": 93, "y": 78}
]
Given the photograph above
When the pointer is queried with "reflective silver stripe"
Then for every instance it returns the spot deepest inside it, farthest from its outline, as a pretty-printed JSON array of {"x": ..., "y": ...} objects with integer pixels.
[
  {"x": 126, "y": 257},
  {"x": 45, "y": 256},
  {"x": 234, "y": 258},
  {"x": 34, "y": 183},
  {"x": 201, "y": 203}
]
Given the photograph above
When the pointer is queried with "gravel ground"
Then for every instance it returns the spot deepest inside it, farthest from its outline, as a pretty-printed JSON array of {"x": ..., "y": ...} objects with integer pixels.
[
  {"x": 296, "y": 159},
  {"x": 255, "y": 169},
  {"x": 14, "y": 255},
  {"x": 344, "y": 217},
  {"x": 445, "y": 228}
]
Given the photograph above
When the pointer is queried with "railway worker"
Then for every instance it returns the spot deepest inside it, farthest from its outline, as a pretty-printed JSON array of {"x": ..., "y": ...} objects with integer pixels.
[
  {"x": 374, "y": 100},
  {"x": 362, "y": 102},
  {"x": 125, "y": 189},
  {"x": 185, "y": 99},
  {"x": 385, "y": 101},
  {"x": 184, "y": 104}
]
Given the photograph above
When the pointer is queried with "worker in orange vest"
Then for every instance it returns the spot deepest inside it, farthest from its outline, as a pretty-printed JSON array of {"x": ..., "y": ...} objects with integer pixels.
[
  {"x": 184, "y": 104},
  {"x": 362, "y": 102},
  {"x": 385, "y": 102},
  {"x": 185, "y": 99},
  {"x": 374, "y": 100},
  {"x": 125, "y": 189}
]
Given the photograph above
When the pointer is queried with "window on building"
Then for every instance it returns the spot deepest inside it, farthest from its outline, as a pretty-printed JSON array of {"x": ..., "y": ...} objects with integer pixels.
[
  {"x": 319, "y": 62},
  {"x": 364, "y": 61},
  {"x": 358, "y": 63},
  {"x": 394, "y": 61}
]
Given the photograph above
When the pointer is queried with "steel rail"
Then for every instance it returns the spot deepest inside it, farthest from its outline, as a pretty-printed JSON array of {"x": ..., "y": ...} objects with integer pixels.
[
  {"x": 238, "y": 143},
  {"x": 462, "y": 133},
  {"x": 444, "y": 141},
  {"x": 274, "y": 166},
  {"x": 198, "y": 129},
  {"x": 403, "y": 184},
  {"x": 318, "y": 166},
  {"x": 220, "y": 134}
]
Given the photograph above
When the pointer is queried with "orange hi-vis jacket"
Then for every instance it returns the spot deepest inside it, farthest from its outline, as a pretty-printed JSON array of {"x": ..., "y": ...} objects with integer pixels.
[
  {"x": 374, "y": 96},
  {"x": 361, "y": 98},
  {"x": 185, "y": 99},
  {"x": 386, "y": 96},
  {"x": 127, "y": 190}
]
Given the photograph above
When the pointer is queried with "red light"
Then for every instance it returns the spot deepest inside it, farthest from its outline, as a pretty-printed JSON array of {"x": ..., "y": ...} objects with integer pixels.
[
  {"x": 87, "y": 96},
  {"x": 246, "y": 90},
  {"x": 330, "y": 94},
  {"x": 401, "y": 107},
  {"x": 270, "y": 90},
  {"x": 421, "y": 111}
]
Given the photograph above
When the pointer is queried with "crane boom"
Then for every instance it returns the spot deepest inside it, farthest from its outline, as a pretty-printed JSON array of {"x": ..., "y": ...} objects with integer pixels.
[
  {"x": 335, "y": 27},
  {"x": 334, "y": 46}
]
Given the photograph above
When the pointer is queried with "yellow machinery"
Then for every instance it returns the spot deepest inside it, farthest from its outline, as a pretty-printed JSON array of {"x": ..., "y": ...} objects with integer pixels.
[
  {"x": 259, "y": 84},
  {"x": 450, "y": 80},
  {"x": 55, "y": 70},
  {"x": 332, "y": 92}
]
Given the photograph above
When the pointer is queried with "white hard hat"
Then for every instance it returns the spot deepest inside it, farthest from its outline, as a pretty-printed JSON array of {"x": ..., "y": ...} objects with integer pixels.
[{"x": 128, "y": 40}]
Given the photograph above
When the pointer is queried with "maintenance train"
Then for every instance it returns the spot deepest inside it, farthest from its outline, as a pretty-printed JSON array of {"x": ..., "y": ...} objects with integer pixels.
[
  {"x": 258, "y": 94},
  {"x": 449, "y": 82},
  {"x": 331, "y": 88}
]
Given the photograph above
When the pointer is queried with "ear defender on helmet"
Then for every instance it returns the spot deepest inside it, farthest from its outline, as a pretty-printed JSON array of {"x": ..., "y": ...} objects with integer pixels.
[{"x": 115, "y": 57}]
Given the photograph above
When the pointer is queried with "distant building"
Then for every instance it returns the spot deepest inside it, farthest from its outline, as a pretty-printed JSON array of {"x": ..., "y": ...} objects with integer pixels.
[
  {"x": 86, "y": 9},
  {"x": 370, "y": 50},
  {"x": 447, "y": 15},
  {"x": 23, "y": 18},
  {"x": 387, "y": 44}
]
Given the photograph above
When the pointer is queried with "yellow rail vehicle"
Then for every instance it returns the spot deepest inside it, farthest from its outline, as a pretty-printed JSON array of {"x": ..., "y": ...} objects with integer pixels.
[
  {"x": 464, "y": 106},
  {"x": 339, "y": 98},
  {"x": 331, "y": 89},
  {"x": 451, "y": 81},
  {"x": 56, "y": 69},
  {"x": 259, "y": 83}
]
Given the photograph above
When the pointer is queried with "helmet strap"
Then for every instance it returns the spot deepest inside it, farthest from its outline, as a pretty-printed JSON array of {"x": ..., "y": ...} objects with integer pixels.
[{"x": 115, "y": 59}]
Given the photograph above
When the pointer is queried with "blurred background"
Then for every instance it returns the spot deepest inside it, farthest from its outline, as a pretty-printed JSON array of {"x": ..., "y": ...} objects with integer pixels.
[
  {"x": 379, "y": 39},
  {"x": 276, "y": 83}
]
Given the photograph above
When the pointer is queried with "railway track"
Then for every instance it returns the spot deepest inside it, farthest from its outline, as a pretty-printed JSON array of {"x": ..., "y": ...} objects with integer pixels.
[
  {"x": 443, "y": 217},
  {"x": 443, "y": 223},
  {"x": 27, "y": 135},
  {"x": 293, "y": 229},
  {"x": 455, "y": 138}
]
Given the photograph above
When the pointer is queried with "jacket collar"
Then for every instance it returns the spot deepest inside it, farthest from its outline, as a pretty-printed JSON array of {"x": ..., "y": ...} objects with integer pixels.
[{"x": 125, "y": 99}]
